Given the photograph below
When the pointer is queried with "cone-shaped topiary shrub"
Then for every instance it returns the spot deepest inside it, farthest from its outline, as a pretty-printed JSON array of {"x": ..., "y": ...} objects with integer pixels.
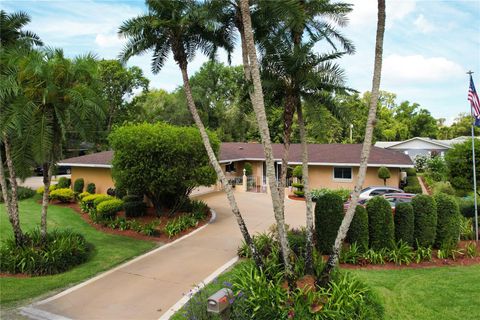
[
  {"x": 358, "y": 231},
  {"x": 78, "y": 185},
  {"x": 328, "y": 217},
  {"x": 448, "y": 220},
  {"x": 425, "y": 221},
  {"x": 404, "y": 223},
  {"x": 380, "y": 223}
]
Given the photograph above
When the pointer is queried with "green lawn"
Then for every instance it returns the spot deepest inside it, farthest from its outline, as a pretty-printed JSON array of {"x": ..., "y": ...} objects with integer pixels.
[
  {"x": 433, "y": 293},
  {"x": 110, "y": 250}
]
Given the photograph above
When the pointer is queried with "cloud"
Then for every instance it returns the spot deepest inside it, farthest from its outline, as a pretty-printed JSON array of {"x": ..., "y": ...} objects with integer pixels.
[
  {"x": 108, "y": 40},
  {"x": 423, "y": 24},
  {"x": 417, "y": 68},
  {"x": 365, "y": 11}
]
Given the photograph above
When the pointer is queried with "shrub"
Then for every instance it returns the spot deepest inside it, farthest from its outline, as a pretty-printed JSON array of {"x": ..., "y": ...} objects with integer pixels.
[
  {"x": 467, "y": 206},
  {"x": 22, "y": 193},
  {"x": 443, "y": 187},
  {"x": 328, "y": 218},
  {"x": 179, "y": 224},
  {"x": 297, "y": 238},
  {"x": 86, "y": 204},
  {"x": 425, "y": 220},
  {"x": 109, "y": 208},
  {"x": 448, "y": 220},
  {"x": 299, "y": 193},
  {"x": 51, "y": 188},
  {"x": 380, "y": 223},
  {"x": 404, "y": 223},
  {"x": 400, "y": 253},
  {"x": 343, "y": 193},
  {"x": 297, "y": 172},
  {"x": 78, "y": 185},
  {"x": 384, "y": 174},
  {"x": 61, "y": 251},
  {"x": 413, "y": 186},
  {"x": 64, "y": 182},
  {"x": 83, "y": 195},
  {"x": 134, "y": 208},
  {"x": 63, "y": 195},
  {"x": 460, "y": 172},
  {"x": 466, "y": 228},
  {"x": 248, "y": 168},
  {"x": 436, "y": 168},
  {"x": 411, "y": 172},
  {"x": 100, "y": 198},
  {"x": 91, "y": 188},
  {"x": 420, "y": 162},
  {"x": 297, "y": 185},
  {"x": 358, "y": 231}
]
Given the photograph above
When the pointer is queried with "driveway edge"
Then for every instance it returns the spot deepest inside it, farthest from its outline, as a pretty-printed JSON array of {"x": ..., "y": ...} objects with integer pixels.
[
  {"x": 180, "y": 303},
  {"x": 106, "y": 273}
]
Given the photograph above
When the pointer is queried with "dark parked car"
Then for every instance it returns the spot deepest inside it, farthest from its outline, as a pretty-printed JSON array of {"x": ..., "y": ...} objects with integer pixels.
[{"x": 58, "y": 170}]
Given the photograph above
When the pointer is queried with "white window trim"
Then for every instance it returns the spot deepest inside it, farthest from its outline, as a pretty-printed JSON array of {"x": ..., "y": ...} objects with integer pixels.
[{"x": 339, "y": 179}]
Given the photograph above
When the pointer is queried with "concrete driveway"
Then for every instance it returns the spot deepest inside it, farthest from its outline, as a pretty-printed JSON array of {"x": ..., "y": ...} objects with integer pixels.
[
  {"x": 148, "y": 287},
  {"x": 36, "y": 182}
]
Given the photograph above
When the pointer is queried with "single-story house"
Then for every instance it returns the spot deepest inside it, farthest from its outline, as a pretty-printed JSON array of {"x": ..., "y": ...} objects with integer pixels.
[
  {"x": 330, "y": 165},
  {"x": 417, "y": 146}
]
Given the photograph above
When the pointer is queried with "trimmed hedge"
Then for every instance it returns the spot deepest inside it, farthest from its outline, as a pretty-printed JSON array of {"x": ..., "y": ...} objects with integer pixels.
[
  {"x": 64, "y": 195},
  {"x": 91, "y": 188},
  {"x": 358, "y": 231},
  {"x": 134, "y": 206},
  {"x": 64, "y": 182},
  {"x": 83, "y": 195},
  {"x": 413, "y": 186},
  {"x": 448, "y": 220},
  {"x": 404, "y": 223},
  {"x": 22, "y": 193},
  {"x": 101, "y": 198},
  {"x": 380, "y": 223},
  {"x": 425, "y": 221},
  {"x": 109, "y": 208},
  {"x": 78, "y": 185},
  {"x": 411, "y": 172},
  {"x": 86, "y": 204},
  {"x": 328, "y": 218},
  {"x": 42, "y": 188}
]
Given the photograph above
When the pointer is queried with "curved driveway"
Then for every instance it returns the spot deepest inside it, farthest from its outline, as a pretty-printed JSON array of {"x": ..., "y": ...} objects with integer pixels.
[{"x": 148, "y": 287}]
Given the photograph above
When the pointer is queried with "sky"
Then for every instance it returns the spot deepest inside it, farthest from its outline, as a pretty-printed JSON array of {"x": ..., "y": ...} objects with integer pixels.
[{"x": 429, "y": 45}]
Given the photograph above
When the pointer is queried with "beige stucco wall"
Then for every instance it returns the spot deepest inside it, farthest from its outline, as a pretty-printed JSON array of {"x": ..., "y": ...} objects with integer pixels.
[
  {"x": 102, "y": 177},
  {"x": 322, "y": 177}
]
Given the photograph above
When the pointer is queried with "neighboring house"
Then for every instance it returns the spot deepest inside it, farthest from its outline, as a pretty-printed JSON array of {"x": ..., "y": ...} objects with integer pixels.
[
  {"x": 417, "y": 146},
  {"x": 330, "y": 165}
]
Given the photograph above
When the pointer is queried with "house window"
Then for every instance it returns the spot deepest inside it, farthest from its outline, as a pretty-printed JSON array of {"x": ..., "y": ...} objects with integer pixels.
[
  {"x": 342, "y": 173},
  {"x": 230, "y": 167}
]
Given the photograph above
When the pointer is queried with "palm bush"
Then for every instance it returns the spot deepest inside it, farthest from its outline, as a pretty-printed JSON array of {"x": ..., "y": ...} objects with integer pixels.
[{"x": 62, "y": 250}]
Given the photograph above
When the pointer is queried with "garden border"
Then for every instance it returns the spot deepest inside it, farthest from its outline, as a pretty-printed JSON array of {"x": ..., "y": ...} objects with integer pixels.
[{"x": 34, "y": 313}]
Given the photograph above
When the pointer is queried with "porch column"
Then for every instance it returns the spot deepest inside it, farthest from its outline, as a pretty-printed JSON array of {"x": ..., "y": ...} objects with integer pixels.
[{"x": 243, "y": 187}]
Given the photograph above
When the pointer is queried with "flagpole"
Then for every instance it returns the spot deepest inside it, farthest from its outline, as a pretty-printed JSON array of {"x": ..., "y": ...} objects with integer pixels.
[{"x": 474, "y": 169}]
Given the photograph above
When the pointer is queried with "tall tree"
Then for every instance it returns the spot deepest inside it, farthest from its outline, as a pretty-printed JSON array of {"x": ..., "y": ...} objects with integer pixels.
[
  {"x": 12, "y": 38},
  {"x": 59, "y": 94},
  {"x": 367, "y": 144},
  {"x": 181, "y": 27}
]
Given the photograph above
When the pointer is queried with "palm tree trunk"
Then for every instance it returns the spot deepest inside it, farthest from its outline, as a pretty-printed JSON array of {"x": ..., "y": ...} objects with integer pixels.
[
  {"x": 308, "y": 196},
  {"x": 259, "y": 108},
  {"x": 12, "y": 200},
  {"x": 47, "y": 178},
  {"x": 218, "y": 169},
  {"x": 342, "y": 232},
  {"x": 288, "y": 114}
]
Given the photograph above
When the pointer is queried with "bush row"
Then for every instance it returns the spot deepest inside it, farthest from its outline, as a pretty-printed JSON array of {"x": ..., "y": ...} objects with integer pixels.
[
  {"x": 413, "y": 186},
  {"x": 22, "y": 193}
]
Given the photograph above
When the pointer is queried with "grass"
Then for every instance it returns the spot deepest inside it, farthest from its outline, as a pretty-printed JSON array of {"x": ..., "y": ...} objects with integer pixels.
[
  {"x": 431, "y": 293},
  {"x": 109, "y": 250}
]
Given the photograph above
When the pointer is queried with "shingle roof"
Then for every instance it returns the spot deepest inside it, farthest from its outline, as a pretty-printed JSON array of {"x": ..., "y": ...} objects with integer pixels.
[
  {"x": 326, "y": 154},
  {"x": 317, "y": 154}
]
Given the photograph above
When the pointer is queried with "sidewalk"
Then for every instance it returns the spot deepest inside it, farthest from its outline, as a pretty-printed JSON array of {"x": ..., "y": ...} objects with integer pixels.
[{"x": 147, "y": 288}]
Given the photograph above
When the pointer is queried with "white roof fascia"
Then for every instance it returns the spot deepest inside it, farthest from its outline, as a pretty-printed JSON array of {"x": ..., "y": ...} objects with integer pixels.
[
  {"x": 422, "y": 139},
  {"x": 85, "y": 165},
  {"x": 356, "y": 164}
]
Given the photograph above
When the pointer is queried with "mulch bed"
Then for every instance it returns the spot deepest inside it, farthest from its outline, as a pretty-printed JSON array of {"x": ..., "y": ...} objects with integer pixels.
[
  {"x": 460, "y": 261},
  {"x": 294, "y": 197},
  {"x": 149, "y": 217}
]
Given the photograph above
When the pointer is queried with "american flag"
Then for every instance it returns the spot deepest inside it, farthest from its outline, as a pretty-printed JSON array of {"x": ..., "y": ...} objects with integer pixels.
[{"x": 474, "y": 101}]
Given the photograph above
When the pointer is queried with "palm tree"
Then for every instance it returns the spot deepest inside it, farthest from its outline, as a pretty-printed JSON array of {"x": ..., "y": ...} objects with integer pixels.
[
  {"x": 295, "y": 73},
  {"x": 59, "y": 94},
  {"x": 12, "y": 38},
  {"x": 367, "y": 143},
  {"x": 181, "y": 27}
]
